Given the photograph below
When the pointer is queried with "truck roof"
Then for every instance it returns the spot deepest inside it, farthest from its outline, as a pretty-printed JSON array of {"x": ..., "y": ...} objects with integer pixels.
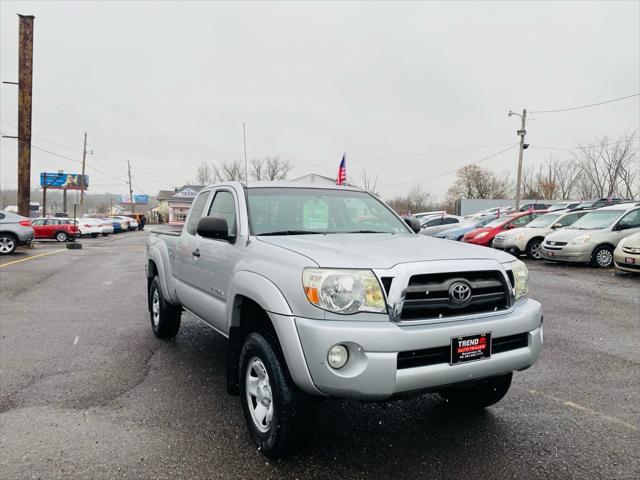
[{"x": 285, "y": 184}]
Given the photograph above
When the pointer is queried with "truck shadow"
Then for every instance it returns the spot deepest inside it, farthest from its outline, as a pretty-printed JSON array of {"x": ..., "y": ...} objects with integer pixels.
[{"x": 414, "y": 437}]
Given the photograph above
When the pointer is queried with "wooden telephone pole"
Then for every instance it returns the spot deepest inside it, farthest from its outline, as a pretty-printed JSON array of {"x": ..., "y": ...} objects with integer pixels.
[
  {"x": 84, "y": 158},
  {"x": 25, "y": 78},
  {"x": 133, "y": 205}
]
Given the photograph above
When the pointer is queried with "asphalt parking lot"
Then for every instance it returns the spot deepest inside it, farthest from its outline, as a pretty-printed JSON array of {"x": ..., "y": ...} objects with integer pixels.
[{"x": 88, "y": 392}]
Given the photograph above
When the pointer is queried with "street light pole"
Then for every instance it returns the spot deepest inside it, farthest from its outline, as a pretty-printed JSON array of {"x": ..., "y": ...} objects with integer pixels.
[{"x": 522, "y": 132}]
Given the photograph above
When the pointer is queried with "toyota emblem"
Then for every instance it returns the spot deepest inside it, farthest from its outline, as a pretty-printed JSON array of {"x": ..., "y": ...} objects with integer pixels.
[{"x": 460, "y": 292}]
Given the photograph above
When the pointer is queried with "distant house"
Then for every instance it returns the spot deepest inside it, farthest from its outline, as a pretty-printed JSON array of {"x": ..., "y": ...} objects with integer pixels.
[
  {"x": 178, "y": 204},
  {"x": 160, "y": 213}
]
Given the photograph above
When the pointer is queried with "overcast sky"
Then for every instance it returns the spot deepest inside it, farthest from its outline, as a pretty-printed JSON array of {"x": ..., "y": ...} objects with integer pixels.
[{"x": 167, "y": 85}]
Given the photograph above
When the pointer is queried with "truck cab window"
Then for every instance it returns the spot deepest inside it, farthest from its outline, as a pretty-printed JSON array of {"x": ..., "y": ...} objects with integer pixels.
[
  {"x": 224, "y": 206},
  {"x": 196, "y": 212}
]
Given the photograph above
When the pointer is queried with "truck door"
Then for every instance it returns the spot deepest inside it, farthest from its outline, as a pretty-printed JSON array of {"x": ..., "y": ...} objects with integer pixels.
[
  {"x": 216, "y": 261},
  {"x": 189, "y": 286}
]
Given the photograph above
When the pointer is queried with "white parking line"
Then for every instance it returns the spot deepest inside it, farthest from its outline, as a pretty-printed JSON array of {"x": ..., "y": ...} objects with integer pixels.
[{"x": 587, "y": 410}]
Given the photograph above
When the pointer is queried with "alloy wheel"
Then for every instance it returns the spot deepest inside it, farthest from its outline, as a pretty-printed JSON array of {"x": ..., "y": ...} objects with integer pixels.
[
  {"x": 155, "y": 308},
  {"x": 604, "y": 257},
  {"x": 535, "y": 251},
  {"x": 7, "y": 244},
  {"x": 259, "y": 395}
]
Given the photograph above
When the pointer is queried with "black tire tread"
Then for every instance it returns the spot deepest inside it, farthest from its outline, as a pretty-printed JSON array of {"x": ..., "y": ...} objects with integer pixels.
[
  {"x": 294, "y": 412},
  {"x": 15, "y": 241},
  {"x": 170, "y": 315}
]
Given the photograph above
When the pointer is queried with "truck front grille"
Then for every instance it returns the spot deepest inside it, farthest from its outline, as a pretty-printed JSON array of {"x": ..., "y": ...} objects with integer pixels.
[
  {"x": 437, "y": 355},
  {"x": 428, "y": 296}
]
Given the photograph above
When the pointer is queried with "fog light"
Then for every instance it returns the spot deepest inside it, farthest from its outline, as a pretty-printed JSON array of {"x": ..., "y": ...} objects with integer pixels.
[{"x": 338, "y": 356}]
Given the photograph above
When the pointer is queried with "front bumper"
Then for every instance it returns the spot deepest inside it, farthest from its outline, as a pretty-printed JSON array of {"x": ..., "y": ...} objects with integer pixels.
[
  {"x": 567, "y": 253},
  {"x": 372, "y": 372},
  {"x": 508, "y": 246},
  {"x": 620, "y": 261}
]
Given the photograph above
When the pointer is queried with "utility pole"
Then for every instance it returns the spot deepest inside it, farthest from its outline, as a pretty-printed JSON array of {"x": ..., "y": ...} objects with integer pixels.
[
  {"x": 133, "y": 208},
  {"x": 84, "y": 158},
  {"x": 522, "y": 132},
  {"x": 44, "y": 195},
  {"x": 25, "y": 78}
]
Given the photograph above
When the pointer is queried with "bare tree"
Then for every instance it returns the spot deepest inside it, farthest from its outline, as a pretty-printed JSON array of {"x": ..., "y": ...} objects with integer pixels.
[
  {"x": 228, "y": 171},
  {"x": 608, "y": 168},
  {"x": 473, "y": 181},
  {"x": 269, "y": 168},
  {"x": 369, "y": 183},
  {"x": 204, "y": 174}
]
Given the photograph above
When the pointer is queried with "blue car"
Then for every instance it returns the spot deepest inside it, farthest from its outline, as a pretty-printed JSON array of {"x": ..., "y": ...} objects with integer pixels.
[
  {"x": 117, "y": 226},
  {"x": 466, "y": 226}
]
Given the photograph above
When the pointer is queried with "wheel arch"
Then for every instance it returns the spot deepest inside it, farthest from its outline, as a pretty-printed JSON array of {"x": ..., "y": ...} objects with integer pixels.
[{"x": 255, "y": 303}]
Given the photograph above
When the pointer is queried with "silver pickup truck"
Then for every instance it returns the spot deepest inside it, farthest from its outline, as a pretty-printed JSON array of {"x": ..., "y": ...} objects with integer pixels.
[{"x": 323, "y": 291}]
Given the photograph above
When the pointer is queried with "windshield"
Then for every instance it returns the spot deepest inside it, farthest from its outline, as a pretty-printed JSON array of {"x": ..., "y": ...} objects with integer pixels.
[
  {"x": 597, "y": 220},
  {"x": 544, "y": 221},
  {"x": 499, "y": 221},
  {"x": 585, "y": 204},
  {"x": 296, "y": 211}
]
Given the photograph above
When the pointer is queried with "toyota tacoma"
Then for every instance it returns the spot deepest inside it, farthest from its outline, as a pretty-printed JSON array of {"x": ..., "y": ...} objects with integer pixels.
[{"x": 323, "y": 291}]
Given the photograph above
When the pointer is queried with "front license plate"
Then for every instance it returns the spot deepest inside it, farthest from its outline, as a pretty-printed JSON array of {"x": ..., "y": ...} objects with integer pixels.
[
  {"x": 630, "y": 260},
  {"x": 471, "y": 347}
]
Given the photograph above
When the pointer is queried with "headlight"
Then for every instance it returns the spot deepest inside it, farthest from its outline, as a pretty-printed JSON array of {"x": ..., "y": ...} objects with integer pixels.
[
  {"x": 580, "y": 240},
  {"x": 519, "y": 236},
  {"x": 343, "y": 291},
  {"x": 482, "y": 234},
  {"x": 521, "y": 277}
]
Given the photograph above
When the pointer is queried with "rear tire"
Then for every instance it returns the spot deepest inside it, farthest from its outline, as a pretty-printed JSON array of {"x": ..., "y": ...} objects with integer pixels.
[
  {"x": 602, "y": 256},
  {"x": 62, "y": 236},
  {"x": 8, "y": 243},
  {"x": 533, "y": 249},
  {"x": 479, "y": 395},
  {"x": 94, "y": 235},
  {"x": 165, "y": 318},
  {"x": 280, "y": 418}
]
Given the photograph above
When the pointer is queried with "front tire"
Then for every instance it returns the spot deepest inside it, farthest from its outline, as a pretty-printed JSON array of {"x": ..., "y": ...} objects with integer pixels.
[
  {"x": 479, "y": 395},
  {"x": 533, "y": 249},
  {"x": 8, "y": 243},
  {"x": 165, "y": 318},
  {"x": 280, "y": 418},
  {"x": 602, "y": 257}
]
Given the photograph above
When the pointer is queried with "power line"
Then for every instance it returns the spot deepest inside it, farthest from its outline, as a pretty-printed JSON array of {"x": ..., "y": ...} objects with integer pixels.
[
  {"x": 579, "y": 147},
  {"x": 448, "y": 172},
  {"x": 41, "y": 138},
  {"x": 585, "y": 106}
]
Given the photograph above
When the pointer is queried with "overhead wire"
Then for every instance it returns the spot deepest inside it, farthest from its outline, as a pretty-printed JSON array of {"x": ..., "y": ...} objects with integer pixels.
[{"x": 566, "y": 109}]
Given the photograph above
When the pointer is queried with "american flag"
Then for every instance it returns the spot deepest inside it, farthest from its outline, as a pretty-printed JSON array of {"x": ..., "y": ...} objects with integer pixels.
[{"x": 341, "y": 179}]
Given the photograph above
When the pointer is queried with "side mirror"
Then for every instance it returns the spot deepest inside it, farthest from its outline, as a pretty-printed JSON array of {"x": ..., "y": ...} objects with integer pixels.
[
  {"x": 555, "y": 226},
  {"x": 621, "y": 226},
  {"x": 214, "y": 227},
  {"x": 414, "y": 223}
]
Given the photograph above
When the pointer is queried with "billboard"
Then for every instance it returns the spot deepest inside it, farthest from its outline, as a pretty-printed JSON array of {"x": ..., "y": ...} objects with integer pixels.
[
  {"x": 65, "y": 181},
  {"x": 137, "y": 199}
]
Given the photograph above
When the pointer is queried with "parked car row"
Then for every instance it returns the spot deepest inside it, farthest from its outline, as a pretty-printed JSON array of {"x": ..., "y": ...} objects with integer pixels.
[
  {"x": 586, "y": 232},
  {"x": 16, "y": 230}
]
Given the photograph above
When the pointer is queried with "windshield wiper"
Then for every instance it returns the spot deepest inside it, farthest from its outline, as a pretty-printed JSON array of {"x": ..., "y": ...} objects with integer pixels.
[{"x": 291, "y": 232}]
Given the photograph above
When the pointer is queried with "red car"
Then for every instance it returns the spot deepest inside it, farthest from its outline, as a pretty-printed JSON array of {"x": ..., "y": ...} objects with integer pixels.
[
  {"x": 60, "y": 229},
  {"x": 485, "y": 235}
]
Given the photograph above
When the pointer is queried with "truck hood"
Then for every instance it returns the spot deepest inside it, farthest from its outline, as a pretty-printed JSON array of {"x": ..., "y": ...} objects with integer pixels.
[{"x": 380, "y": 250}]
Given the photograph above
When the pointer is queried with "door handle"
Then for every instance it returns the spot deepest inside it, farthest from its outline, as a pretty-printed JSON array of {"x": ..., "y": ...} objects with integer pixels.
[{"x": 196, "y": 252}]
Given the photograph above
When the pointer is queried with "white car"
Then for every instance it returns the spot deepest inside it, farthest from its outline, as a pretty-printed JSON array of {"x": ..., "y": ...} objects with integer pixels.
[
  {"x": 440, "y": 223},
  {"x": 131, "y": 223},
  {"x": 107, "y": 226},
  {"x": 89, "y": 227},
  {"x": 528, "y": 239}
]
